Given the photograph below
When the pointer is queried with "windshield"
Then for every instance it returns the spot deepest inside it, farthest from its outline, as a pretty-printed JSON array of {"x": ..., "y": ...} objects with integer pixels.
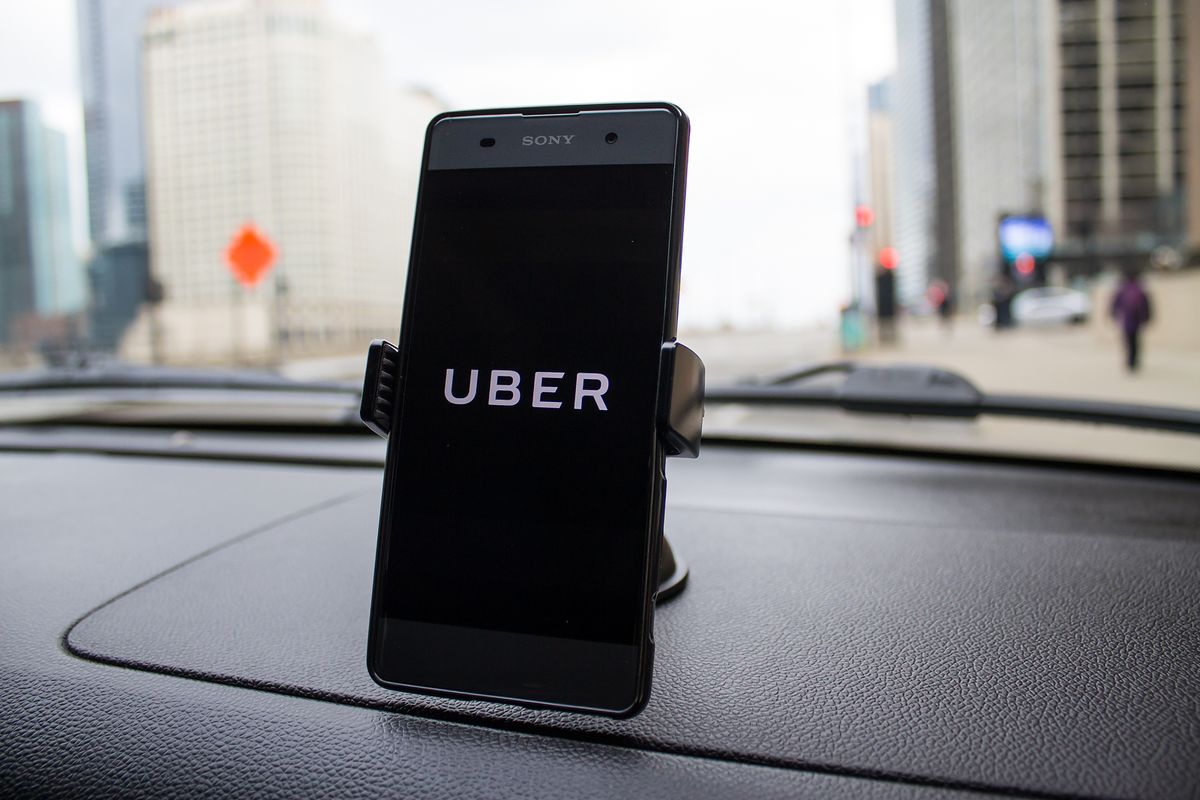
[{"x": 1006, "y": 189}]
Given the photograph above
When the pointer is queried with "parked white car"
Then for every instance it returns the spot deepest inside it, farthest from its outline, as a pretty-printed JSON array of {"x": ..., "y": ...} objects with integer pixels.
[{"x": 1051, "y": 305}]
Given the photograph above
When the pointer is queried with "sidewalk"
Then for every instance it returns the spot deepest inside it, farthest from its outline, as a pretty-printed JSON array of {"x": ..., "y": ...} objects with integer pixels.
[
  {"x": 1083, "y": 361},
  {"x": 1077, "y": 361}
]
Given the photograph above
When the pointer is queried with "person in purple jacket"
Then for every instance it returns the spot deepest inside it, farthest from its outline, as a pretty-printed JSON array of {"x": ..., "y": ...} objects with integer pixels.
[{"x": 1131, "y": 310}]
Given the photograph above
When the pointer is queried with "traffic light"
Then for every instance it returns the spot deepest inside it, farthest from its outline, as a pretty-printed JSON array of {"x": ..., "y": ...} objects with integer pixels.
[
  {"x": 864, "y": 217},
  {"x": 889, "y": 259},
  {"x": 885, "y": 293},
  {"x": 885, "y": 304}
]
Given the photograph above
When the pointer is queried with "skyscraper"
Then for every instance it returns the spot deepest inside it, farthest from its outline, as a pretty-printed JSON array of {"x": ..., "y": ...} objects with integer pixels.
[
  {"x": 267, "y": 112},
  {"x": 1128, "y": 127},
  {"x": 41, "y": 279},
  {"x": 914, "y": 156},
  {"x": 110, "y": 59},
  {"x": 1003, "y": 105},
  {"x": 110, "y": 33},
  {"x": 1191, "y": 87},
  {"x": 974, "y": 134}
]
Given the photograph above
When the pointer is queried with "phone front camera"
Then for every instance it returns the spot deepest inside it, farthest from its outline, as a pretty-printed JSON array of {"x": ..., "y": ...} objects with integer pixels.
[
  {"x": 611, "y": 137},
  {"x": 488, "y": 142}
]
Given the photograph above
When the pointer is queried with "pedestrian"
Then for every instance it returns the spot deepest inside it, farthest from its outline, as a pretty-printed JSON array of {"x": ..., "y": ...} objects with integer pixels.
[
  {"x": 1131, "y": 310},
  {"x": 941, "y": 299},
  {"x": 1002, "y": 295}
]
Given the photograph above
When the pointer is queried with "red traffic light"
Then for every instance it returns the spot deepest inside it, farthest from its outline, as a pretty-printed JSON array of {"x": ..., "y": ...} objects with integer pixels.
[
  {"x": 1024, "y": 264},
  {"x": 864, "y": 217},
  {"x": 889, "y": 258}
]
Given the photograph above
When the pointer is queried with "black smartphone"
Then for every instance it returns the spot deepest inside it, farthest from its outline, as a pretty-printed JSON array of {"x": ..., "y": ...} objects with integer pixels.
[{"x": 523, "y": 493}]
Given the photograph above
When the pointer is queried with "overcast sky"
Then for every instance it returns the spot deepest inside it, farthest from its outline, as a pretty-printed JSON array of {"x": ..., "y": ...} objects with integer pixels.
[{"x": 773, "y": 90}]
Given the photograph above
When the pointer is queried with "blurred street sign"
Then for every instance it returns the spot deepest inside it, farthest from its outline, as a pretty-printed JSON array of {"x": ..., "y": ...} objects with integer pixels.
[
  {"x": 250, "y": 255},
  {"x": 1025, "y": 235}
]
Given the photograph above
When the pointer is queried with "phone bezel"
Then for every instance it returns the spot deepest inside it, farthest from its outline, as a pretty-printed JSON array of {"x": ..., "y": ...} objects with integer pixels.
[{"x": 645, "y": 654}]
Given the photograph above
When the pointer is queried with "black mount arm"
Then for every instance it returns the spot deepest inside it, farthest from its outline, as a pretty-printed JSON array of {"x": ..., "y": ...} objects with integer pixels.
[{"x": 680, "y": 416}]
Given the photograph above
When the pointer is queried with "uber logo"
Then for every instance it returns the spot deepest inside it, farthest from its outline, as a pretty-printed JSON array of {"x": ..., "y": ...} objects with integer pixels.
[{"x": 504, "y": 389}]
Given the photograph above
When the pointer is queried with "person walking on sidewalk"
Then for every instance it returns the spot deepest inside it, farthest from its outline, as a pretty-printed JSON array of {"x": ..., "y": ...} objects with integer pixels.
[{"x": 1131, "y": 310}]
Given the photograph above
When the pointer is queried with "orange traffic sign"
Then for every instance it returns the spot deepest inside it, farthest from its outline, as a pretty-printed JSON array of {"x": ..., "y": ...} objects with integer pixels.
[{"x": 250, "y": 255}]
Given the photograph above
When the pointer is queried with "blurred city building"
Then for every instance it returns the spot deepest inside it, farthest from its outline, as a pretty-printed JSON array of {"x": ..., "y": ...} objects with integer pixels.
[
  {"x": 1078, "y": 111},
  {"x": 42, "y": 287},
  {"x": 974, "y": 134},
  {"x": 110, "y": 53},
  {"x": 268, "y": 112},
  {"x": 1004, "y": 108},
  {"x": 1191, "y": 171},
  {"x": 110, "y": 60},
  {"x": 1130, "y": 124},
  {"x": 915, "y": 133}
]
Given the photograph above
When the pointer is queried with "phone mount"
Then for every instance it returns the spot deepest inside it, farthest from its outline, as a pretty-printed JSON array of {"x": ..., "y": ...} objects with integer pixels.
[{"x": 680, "y": 418}]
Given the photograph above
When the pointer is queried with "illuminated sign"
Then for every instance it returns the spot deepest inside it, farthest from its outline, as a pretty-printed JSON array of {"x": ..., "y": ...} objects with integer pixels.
[{"x": 1029, "y": 236}]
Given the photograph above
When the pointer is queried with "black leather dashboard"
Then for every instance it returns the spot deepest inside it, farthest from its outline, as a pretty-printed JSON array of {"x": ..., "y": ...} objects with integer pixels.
[{"x": 853, "y": 626}]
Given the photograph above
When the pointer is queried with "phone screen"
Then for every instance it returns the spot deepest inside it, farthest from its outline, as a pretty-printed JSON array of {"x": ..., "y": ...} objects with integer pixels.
[{"x": 523, "y": 475}]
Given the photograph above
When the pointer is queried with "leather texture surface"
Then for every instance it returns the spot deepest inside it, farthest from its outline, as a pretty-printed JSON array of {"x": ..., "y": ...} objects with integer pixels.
[
  {"x": 1007, "y": 629},
  {"x": 77, "y": 530}
]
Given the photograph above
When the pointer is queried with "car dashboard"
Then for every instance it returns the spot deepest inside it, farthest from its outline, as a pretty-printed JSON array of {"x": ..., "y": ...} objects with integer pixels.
[{"x": 186, "y": 614}]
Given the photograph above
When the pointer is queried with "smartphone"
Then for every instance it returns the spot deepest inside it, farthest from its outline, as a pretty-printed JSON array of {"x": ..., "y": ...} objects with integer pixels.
[{"x": 523, "y": 490}]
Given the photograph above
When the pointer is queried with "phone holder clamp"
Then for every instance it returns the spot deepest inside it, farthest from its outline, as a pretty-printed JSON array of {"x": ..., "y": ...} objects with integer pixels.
[{"x": 680, "y": 417}]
